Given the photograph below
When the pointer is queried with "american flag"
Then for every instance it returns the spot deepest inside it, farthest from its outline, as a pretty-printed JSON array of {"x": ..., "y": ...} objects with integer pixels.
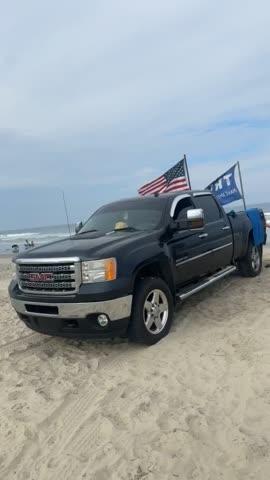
[{"x": 174, "y": 179}]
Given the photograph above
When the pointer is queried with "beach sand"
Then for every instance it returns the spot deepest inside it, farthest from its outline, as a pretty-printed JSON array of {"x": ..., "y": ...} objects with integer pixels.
[{"x": 195, "y": 406}]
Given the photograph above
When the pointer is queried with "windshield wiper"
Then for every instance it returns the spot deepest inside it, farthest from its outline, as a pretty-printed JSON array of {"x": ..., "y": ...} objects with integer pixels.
[{"x": 88, "y": 231}]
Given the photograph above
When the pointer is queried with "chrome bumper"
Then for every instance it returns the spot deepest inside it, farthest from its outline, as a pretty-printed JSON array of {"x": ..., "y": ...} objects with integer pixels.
[{"x": 115, "y": 309}]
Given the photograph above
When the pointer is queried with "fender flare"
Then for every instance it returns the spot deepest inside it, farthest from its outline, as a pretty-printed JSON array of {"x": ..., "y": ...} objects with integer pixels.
[{"x": 153, "y": 264}]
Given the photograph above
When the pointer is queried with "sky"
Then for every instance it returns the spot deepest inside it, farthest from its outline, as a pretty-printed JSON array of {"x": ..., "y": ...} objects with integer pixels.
[{"x": 96, "y": 98}]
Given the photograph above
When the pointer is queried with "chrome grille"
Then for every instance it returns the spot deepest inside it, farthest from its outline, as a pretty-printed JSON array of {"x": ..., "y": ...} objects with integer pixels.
[{"x": 49, "y": 276}]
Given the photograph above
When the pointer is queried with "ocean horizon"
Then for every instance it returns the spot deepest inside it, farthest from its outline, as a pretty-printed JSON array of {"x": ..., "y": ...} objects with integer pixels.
[{"x": 51, "y": 233}]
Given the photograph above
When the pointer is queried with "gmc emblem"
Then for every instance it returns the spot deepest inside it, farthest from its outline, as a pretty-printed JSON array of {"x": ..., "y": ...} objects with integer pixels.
[{"x": 41, "y": 277}]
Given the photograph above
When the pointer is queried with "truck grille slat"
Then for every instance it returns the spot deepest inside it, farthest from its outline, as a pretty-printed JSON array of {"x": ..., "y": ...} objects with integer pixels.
[
  {"x": 57, "y": 276},
  {"x": 47, "y": 268},
  {"x": 47, "y": 285},
  {"x": 50, "y": 278}
]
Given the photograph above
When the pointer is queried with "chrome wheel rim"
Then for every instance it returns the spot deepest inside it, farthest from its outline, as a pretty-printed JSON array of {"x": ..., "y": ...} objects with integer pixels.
[
  {"x": 155, "y": 311},
  {"x": 255, "y": 259}
]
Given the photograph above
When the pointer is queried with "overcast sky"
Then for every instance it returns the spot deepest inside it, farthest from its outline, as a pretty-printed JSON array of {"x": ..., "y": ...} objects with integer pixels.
[{"x": 97, "y": 97}]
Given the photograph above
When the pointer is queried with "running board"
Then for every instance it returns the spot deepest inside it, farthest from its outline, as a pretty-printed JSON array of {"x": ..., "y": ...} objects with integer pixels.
[{"x": 191, "y": 289}]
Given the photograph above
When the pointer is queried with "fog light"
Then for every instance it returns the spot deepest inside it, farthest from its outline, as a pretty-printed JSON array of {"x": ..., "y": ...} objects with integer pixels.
[{"x": 103, "y": 320}]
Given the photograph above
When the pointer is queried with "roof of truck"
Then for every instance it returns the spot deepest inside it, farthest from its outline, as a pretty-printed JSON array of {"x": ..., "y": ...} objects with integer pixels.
[{"x": 184, "y": 192}]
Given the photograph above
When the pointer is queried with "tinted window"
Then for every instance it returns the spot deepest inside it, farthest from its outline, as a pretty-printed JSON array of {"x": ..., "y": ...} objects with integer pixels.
[
  {"x": 209, "y": 205},
  {"x": 181, "y": 209}
]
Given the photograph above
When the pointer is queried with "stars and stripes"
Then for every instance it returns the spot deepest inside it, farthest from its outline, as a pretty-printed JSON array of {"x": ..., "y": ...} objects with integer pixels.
[{"x": 174, "y": 179}]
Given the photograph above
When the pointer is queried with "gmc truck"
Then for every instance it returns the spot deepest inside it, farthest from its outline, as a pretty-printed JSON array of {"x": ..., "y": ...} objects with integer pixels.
[{"x": 127, "y": 266}]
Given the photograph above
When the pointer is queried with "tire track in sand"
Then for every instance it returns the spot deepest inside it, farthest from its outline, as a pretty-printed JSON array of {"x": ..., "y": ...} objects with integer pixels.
[{"x": 57, "y": 430}]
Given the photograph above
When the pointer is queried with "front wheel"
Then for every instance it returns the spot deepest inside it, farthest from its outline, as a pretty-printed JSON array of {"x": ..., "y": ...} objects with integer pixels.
[
  {"x": 152, "y": 311},
  {"x": 251, "y": 264}
]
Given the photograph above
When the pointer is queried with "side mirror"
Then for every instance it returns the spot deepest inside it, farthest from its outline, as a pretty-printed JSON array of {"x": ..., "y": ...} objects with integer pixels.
[
  {"x": 195, "y": 218},
  {"x": 78, "y": 226}
]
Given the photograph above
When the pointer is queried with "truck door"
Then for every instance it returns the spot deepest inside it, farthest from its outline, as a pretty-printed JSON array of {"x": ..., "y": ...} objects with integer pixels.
[
  {"x": 189, "y": 248},
  {"x": 217, "y": 229}
]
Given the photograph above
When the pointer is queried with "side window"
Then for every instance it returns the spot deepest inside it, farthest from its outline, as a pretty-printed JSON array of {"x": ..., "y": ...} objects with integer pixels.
[
  {"x": 182, "y": 207},
  {"x": 209, "y": 205}
]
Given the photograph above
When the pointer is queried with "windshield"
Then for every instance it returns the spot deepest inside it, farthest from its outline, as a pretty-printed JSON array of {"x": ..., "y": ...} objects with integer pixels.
[{"x": 130, "y": 215}]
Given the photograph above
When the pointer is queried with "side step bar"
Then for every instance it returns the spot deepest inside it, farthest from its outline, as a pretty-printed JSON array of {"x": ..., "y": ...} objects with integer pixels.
[{"x": 191, "y": 289}]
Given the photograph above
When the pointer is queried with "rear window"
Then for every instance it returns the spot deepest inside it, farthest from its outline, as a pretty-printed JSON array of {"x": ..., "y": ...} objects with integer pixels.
[{"x": 211, "y": 209}]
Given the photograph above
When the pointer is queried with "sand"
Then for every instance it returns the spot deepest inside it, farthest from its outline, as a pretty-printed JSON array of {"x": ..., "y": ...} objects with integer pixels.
[{"x": 194, "y": 406}]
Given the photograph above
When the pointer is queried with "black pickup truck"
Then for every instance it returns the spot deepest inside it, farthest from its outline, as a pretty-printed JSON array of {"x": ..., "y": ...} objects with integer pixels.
[{"x": 127, "y": 266}]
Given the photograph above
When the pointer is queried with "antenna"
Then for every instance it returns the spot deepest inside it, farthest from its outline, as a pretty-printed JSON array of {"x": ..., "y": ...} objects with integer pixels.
[{"x": 65, "y": 205}]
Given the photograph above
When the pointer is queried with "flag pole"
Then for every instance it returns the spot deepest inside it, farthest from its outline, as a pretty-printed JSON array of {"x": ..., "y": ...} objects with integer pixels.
[
  {"x": 185, "y": 159},
  {"x": 242, "y": 188}
]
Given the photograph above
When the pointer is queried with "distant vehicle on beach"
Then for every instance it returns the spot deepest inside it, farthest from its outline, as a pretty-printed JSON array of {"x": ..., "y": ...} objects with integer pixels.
[{"x": 127, "y": 266}]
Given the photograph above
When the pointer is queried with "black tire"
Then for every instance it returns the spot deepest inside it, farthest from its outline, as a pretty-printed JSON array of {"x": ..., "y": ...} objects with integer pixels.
[
  {"x": 251, "y": 264},
  {"x": 145, "y": 291}
]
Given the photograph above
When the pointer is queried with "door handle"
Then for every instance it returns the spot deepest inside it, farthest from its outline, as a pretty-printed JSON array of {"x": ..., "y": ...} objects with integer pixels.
[
  {"x": 203, "y": 235},
  {"x": 226, "y": 228}
]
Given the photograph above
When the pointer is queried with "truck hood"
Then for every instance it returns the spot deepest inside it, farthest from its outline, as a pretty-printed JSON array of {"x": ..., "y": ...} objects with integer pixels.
[{"x": 89, "y": 246}]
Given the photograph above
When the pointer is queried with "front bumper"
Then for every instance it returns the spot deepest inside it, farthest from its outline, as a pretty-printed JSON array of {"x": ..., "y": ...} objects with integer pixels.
[
  {"x": 114, "y": 309},
  {"x": 75, "y": 319}
]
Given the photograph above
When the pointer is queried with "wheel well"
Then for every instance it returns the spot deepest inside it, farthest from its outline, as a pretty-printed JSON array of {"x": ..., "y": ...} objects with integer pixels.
[
  {"x": 155, "y": 269},
  {"x": 251, "y": 235}
]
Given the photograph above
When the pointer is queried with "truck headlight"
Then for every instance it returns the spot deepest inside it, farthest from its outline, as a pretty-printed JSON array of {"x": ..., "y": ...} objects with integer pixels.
[{"x": 99, "y": 270}]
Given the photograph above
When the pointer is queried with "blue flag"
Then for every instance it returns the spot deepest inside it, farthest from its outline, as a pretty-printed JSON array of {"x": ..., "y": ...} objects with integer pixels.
[{"x": 224, "y": 187}]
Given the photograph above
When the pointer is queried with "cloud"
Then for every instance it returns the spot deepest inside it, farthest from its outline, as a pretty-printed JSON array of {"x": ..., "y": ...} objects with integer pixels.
[
  {"x": 111, "y": 94},
  {"x": 101, "y": 64}
]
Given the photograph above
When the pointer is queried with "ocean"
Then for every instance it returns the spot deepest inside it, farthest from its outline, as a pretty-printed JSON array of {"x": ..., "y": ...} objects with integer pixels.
[
  {"x": 42, "y": 235},
  {"x": 39, "y": 236}
]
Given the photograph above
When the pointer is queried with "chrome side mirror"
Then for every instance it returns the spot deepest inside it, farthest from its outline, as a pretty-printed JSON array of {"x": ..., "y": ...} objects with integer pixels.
[
  {"x": 78, "y": 226},
  {"x": 195, "y": 218}
]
